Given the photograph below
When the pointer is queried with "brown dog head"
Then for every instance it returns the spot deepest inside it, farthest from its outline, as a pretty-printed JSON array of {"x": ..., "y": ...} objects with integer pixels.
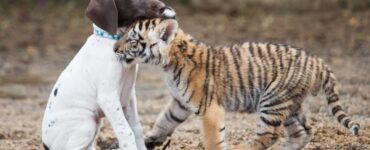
[{"x": 111, "y": 14}]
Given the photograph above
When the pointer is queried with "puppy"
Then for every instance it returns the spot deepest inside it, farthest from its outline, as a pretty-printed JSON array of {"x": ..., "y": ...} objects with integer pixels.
[{"x": 95, "y": 84}]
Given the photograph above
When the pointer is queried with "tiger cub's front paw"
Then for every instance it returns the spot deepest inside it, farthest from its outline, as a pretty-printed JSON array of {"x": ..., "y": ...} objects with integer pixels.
[{"x": 152, "y": 142}]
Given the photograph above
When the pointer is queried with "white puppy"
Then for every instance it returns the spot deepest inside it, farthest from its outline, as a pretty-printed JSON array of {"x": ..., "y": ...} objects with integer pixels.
[
  {"x": 92, "y": 86},
  {"x": 95, "y": 85}
]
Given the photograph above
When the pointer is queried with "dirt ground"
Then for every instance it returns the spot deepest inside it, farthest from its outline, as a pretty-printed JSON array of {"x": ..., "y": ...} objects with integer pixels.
[{"x": 34, "y": 50}]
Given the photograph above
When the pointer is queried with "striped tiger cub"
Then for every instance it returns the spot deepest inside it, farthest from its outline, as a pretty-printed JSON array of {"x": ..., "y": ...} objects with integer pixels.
[{"x": 270, "y": 79}]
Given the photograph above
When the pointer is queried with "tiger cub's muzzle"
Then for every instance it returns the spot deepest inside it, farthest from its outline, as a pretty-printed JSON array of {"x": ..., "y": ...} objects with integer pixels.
[{"x": 121, "y": 55}]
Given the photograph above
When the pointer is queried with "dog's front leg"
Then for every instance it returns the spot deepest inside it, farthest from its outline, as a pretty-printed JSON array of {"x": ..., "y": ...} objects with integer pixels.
[
  {"x": 109, "y": 102},
  {"x": 134, "y": 120}
]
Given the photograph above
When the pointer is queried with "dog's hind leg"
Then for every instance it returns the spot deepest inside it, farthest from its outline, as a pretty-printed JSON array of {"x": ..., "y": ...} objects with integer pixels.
[{"x": 83, "y": 135}]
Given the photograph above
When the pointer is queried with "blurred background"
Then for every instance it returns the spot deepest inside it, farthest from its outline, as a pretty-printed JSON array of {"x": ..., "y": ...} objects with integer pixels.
[{"x": 39, "y": 37}]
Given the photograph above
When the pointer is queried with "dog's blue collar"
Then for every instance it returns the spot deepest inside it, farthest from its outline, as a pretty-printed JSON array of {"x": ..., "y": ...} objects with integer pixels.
[{"x": 100, "y": 32}]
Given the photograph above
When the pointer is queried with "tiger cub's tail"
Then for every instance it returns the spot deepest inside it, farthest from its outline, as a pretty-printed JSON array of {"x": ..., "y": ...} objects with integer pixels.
[{"x": 332, "y": 97}]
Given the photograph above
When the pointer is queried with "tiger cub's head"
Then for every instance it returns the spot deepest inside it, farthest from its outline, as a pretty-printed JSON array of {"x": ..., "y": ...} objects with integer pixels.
[{"x": 146, "y": 41}]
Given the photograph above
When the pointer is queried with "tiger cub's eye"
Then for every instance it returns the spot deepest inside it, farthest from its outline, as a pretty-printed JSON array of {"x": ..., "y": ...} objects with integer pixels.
[{"x": 133, "y": 42}]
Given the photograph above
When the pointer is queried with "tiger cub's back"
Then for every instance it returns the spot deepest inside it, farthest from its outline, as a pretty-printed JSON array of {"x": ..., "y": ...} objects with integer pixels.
[{"x": 253, "y": 71}]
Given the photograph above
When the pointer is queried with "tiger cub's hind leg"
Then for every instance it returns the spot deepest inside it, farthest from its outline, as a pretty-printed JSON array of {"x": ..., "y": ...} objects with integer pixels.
[
  {"x": 268, "y": 131},
  {"x": 298, "y": 130},
  {"x": 272, "y": 116}
]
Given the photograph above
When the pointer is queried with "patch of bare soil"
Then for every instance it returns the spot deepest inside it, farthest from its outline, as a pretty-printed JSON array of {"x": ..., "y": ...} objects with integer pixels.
[{"x": 30, "y": 64}]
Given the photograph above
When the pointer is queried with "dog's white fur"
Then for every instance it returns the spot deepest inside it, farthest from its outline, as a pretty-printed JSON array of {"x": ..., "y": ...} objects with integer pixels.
[{"x": 92, "y": 86}]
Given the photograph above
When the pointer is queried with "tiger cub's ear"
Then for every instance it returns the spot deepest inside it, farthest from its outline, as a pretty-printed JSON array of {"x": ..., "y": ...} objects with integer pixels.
[{"x": 167, "y": 30}]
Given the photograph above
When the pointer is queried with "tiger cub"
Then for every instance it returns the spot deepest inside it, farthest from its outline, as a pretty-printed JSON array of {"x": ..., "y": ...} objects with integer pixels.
[{"x": 270, "y": 79}]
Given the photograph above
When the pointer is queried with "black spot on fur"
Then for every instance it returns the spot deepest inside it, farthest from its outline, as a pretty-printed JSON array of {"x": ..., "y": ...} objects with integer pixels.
[
  {"x": 56, "y": 92},
  {"x": 45, "y": 147}
]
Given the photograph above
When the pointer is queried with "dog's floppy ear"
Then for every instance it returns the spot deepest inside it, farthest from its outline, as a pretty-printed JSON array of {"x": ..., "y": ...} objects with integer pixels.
[{"x": 103, "y": 13}]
